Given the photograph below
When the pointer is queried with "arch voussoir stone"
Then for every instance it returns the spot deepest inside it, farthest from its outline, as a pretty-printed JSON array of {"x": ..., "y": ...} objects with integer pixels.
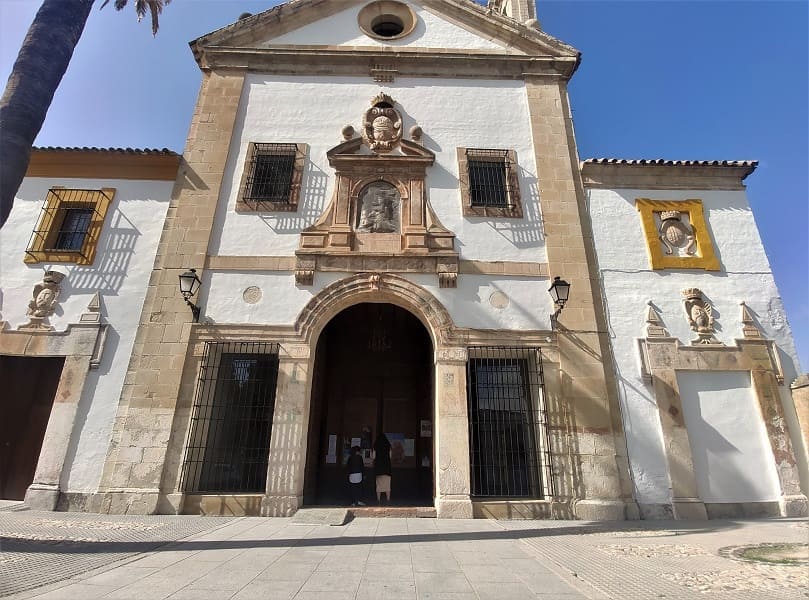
[{"x": 375, "y": 287}]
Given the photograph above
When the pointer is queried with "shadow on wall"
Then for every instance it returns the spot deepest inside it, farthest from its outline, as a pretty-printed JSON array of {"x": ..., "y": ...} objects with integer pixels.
[
  {"x": 529, "y": 231},
  {"x": 563, "y": 441},
  {"x": 113, "y": 258},
  {"x": 310, "y": 207},
  {"x": 88, "y": 399}
]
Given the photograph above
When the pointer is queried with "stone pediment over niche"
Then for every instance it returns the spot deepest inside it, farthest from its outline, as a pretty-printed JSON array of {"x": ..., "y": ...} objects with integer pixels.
[{"x": 379, "y": 218}]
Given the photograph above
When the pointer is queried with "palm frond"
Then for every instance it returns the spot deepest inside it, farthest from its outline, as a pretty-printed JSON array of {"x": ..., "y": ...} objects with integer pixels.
[{"x": 153, "y": 7}]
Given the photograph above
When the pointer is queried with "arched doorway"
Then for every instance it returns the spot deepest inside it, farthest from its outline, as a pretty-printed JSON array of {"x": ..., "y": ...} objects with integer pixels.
[{"x": 372, "y": 375}]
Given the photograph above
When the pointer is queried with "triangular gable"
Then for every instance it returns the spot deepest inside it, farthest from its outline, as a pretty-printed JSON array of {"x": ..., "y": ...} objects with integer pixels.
[
  {"x": 297, "y": 19},
  {"x": 432, "y": 31}
]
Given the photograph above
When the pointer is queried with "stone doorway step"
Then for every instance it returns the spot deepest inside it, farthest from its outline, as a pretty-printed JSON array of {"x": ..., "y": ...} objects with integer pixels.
[{"x": 401, "y": 512}]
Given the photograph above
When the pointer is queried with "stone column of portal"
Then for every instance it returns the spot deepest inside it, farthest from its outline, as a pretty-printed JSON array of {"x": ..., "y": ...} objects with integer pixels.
[
  {"x": 43, "y": 493},
  {"x": 588, "y": 395},
  {"x": 685, "y": 499},
  {"x": 451, "y": 433},
  {"x": 288, "y": 438}
]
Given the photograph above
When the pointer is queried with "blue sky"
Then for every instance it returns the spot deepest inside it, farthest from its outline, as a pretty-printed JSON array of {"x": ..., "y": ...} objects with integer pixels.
[{"x": 680, "y": 80}]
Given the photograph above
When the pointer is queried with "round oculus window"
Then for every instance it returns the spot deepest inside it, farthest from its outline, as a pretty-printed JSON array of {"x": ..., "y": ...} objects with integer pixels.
[{"x": 387, "y": 20}]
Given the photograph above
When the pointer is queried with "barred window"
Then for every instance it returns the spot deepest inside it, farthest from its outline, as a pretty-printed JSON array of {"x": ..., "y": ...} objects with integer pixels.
[
  {"x": 74, "y": 228},
  {"x": 272, "y": 177},
  {"x": 69, "y": 226},
  {"x": 509, "y": 453},
  {"x": 489, "y": 183},
  {"x": 229, "y": 440}
]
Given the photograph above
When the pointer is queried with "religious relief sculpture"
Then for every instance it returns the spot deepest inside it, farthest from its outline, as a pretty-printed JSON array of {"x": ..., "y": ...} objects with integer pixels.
[
  {"x": 382, "y": 125},
  {"x": 700, "y": 316},
  {"x": 43, "y": 303},
  {"x": 378, "y": 208},
  {"x": 675, "y": 234}
]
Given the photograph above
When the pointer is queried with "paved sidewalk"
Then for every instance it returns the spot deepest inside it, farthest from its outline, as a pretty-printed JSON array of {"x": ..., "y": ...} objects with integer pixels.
[{"x": 273, "y": 559}]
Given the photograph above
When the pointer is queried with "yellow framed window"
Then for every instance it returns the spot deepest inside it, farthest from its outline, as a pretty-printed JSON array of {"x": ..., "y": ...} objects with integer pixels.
[{"x": 69, "y": 226}]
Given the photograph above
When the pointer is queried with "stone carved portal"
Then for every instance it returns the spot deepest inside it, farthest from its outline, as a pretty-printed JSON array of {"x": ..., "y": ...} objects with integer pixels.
[
  {"x": 379, "y": 219},
  {"x": 368, "y": 388},
  {"x": 379, "y": 208}
]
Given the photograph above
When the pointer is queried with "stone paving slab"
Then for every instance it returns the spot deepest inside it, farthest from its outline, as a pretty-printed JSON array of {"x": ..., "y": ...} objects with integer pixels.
[
  {"x": 652, "y": 560},
  {"x": 414, "y": 558},
  {"x": 38, "y": 548}
]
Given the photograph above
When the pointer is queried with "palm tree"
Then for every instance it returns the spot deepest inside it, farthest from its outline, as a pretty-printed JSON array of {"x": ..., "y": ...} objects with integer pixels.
[{"x": 38, "y": 70}]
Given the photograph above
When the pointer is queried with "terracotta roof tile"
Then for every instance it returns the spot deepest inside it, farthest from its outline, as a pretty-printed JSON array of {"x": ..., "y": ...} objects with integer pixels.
[
  {"x": 152, "y": 151},
  {"x": 672, "y": 163}
]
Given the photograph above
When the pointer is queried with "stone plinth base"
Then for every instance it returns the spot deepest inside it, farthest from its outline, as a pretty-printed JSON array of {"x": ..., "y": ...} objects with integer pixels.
[
  {"x": 742, "y": 510},
  {"x": 601, "y": 510},
  {"x": 514, "y": 509},
  {"x": 124, "y": 502},
  {"x": 656, "y": 512},
  {"x": 795, "y": 506},
  {"x": 458, "y": 507},
  {"x": 280, "y": 506},
  {"x": 689, "y": 509},
  {"x": 40, "y": 496},
  {"x": 223, "y": 505}
]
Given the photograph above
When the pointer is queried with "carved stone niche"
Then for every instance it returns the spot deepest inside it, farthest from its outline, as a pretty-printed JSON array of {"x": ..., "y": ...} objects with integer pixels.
[{"x": 379, "y": 218}]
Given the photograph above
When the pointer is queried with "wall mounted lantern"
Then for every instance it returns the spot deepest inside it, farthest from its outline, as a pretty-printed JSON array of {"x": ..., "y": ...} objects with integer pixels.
[
  {"x": 559, "y": 291},
  {"x": 189, "y": 284}
]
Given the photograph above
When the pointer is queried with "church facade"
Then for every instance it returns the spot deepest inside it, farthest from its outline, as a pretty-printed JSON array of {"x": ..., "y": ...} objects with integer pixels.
[{"x": 375, "y": 197}]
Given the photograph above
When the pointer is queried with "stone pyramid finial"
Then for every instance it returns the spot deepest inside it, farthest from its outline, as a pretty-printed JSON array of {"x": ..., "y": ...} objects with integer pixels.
[
  {"x": 654, "y": 324},
  {"x": 93, "y": 311},
  {"x": 750, "y": 330}
]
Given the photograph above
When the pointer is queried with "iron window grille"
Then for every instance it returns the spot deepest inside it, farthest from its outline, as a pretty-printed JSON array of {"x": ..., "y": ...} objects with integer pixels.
[
  {"x": 510, "y": 455},
  {"x": 231, "y": 424},
  {"x": 272, "y": 177},
  {"x": 489, "y": 183},
  {"x": 69, "y": 225}
]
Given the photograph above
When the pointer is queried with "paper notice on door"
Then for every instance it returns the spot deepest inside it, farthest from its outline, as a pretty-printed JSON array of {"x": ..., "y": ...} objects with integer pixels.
[
  {"x": 331, "y": 459},
  {"x": 409, "y": 447},
  {"x": 332, "y": 445}
]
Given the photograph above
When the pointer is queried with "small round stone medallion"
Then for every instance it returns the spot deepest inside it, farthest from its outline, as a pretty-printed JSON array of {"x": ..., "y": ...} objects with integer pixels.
[
  {"x": 252, "y": 294},
  {"x": 499, "y": 300}
]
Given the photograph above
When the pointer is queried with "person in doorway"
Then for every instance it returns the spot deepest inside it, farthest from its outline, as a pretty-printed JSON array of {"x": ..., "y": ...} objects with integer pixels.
[
  {"x": 355, "y": 468},
  {"x": 382, "y": 468}
]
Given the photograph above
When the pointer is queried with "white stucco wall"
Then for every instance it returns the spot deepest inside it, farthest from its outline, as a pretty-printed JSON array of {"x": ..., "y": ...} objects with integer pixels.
[
  {"x": 313, "y": 110},
  {"x": 431, "y": 31},
  {"x": 733, "y": 460},
  {"x": 469, "y": 304},
  {"x": 628, "y": 283},
  {"x": 120, "y": 273}
]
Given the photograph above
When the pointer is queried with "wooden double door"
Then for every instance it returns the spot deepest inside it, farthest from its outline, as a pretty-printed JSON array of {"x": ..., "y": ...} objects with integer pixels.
[{"x": 373, "y": 375}]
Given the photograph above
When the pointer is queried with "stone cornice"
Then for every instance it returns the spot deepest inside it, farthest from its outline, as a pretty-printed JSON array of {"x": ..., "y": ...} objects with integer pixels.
[
  {"x": 468, "y": 267},
  {"x": 666, "y": 175},
  {"x": 307, "y": 60}
]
